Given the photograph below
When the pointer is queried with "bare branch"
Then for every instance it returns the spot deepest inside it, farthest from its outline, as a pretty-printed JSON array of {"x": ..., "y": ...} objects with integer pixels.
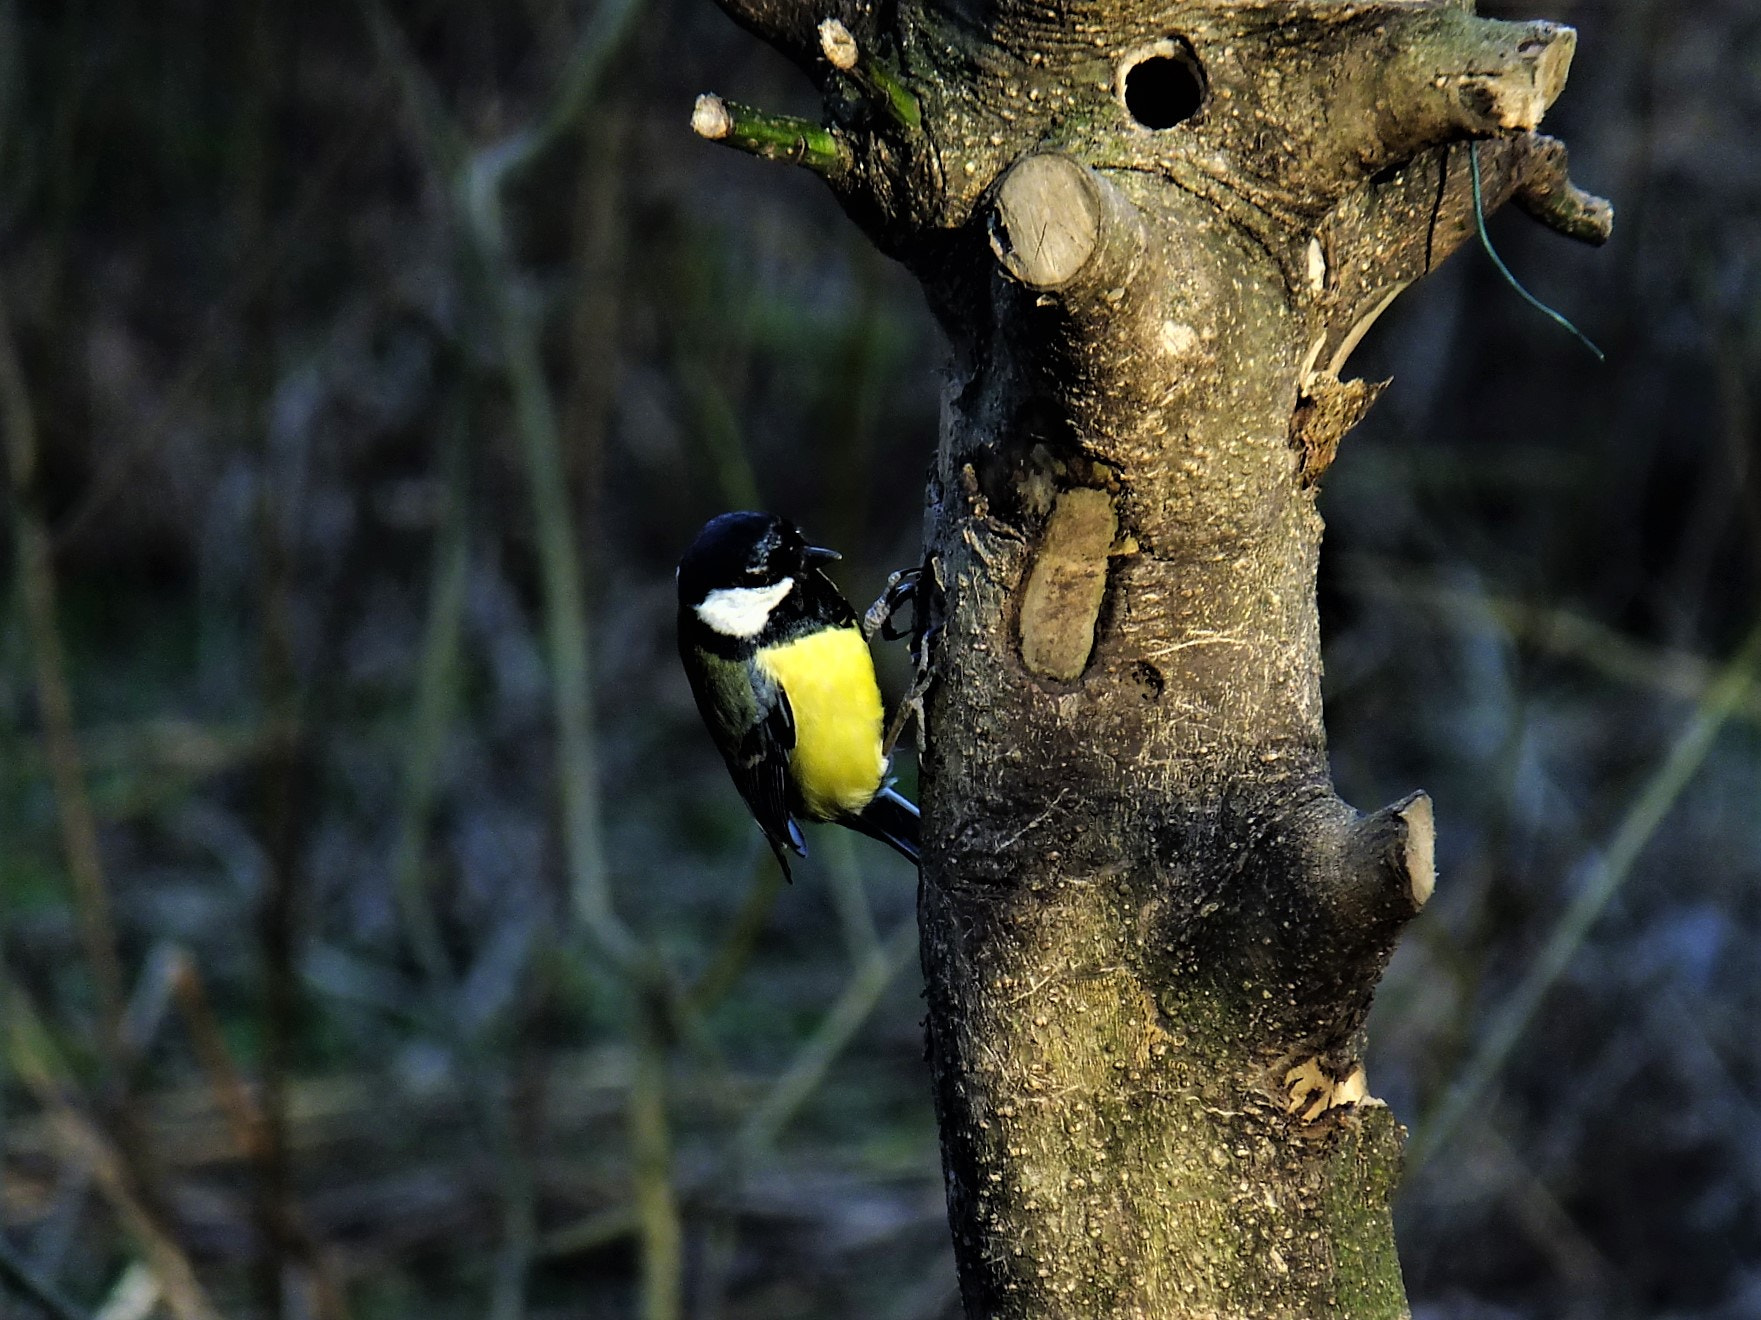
[
  {"x": 31, "y": 1052},
  {"x": 73, "y": 803},
  {"x": 1548, "y": 195},
  {"x": 1394, "y": 231},
  {"x": 17, "y": 1273}
]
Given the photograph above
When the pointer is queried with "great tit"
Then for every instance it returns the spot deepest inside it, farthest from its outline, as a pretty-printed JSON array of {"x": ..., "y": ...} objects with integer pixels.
[{"x": 784, "y": 681}]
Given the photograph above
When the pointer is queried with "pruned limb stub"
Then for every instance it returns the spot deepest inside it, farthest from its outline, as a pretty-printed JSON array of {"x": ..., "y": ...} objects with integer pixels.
[
  {"x": 879, "y": 85},
  {"x": 1391, "y": 858},
  {"x": 1059, "y": 225},
  {"x": 1490, "y": 76}
]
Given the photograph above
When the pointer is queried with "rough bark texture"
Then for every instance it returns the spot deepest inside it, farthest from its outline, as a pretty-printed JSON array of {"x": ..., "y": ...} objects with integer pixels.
[{"x": 1154, "y": 232}]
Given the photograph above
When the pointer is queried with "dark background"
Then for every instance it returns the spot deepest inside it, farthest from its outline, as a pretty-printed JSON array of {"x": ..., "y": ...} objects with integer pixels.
[{"x": 300, "y": 409}]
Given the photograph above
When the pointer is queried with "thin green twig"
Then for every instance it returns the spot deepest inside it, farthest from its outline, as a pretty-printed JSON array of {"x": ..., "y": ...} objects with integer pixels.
[
  {"x": 244, "y": 1115},
  {"x": 486, "y": 173},
  {"x": 773, "y": 137},
  {"x": 478, "y": 180},
  {"x": 740, "y": 937},
  {"x": 434, "y": 709},
  {"x": 871, "y": 75},
  {"x": 1604, "y": 880},
  {"x": 781, "y": 1101},
  {"x": 519, "y": 1214},
  {"x": 849, "y": 898},
  {"x": 715, "y": 424},
  {"x": 566, "y": 633},
  {"x": 596, "y": 1230}
]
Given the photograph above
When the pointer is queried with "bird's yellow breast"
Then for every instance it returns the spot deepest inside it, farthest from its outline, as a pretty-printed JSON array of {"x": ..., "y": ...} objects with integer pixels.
[{"x": 837, "y": 764}]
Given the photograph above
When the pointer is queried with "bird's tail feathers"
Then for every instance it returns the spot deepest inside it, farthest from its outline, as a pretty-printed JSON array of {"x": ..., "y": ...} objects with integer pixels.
[
  {"x": 795, "y": 843},
  {"x": 892, "y": 819}
]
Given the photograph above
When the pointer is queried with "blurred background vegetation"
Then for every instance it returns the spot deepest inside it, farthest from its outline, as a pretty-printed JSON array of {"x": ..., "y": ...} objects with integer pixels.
[{"x": 381, "y": 936}]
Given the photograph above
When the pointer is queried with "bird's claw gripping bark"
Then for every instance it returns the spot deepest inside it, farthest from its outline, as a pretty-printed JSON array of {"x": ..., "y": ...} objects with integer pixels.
[
  {"x": 901, "y": 589},
  {"x": 920, "y": 588}
]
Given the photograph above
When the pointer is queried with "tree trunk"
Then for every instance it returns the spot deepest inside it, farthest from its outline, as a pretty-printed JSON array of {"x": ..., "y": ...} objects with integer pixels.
[{"x": 1151, "y": 930}]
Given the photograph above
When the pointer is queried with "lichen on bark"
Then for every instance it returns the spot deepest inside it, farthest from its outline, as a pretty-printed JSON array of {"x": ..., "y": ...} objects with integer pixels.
[{"x": 1154, "y": 233}]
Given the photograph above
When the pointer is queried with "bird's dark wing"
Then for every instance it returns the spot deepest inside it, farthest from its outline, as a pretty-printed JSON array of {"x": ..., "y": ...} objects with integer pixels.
[
  {"x": 760, "y": 767},
  {"x": 749, "y": 717}
]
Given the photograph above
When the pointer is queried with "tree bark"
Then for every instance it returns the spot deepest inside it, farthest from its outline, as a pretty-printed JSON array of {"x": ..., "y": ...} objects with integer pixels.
[{"x": 1154, "y": 233}]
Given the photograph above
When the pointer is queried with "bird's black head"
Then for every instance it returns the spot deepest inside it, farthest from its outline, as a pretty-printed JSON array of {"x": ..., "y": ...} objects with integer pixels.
[{"x": 742, "y": 550}]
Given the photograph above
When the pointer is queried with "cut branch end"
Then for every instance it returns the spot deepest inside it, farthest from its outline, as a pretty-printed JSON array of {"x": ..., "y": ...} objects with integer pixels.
[
  {"x": 838, "y": 45},
  {"x": 1452, "y": 74},
  {"x": 1518, "y": 95},
  {"x": 710, "y": 118},
  {"x": 1390, "y": 863},
  {"x": 1059, "y": 227},
  {"x": 1420, "y": 852}
]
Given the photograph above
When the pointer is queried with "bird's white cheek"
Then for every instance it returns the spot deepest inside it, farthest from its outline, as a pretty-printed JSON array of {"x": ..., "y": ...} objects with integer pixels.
[{"x": 742, "y": 611}]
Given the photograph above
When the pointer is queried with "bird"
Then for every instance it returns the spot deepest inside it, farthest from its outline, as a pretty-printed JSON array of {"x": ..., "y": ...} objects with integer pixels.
[{"x": 785, "y": 683}]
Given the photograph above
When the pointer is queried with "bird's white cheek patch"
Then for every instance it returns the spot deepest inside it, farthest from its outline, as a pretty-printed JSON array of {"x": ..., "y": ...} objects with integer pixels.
[{"x": 742, "y": 611}]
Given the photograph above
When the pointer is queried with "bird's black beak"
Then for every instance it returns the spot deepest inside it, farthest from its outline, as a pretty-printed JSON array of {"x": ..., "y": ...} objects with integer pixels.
[{"x": 814, "y": 554}]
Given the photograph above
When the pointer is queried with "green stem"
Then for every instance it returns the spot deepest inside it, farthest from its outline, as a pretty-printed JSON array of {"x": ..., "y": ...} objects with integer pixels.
[
  {"x": 883, "y": 88},
  {"x": 565, "y": 631},
  {"x": 774, "y": 137},
  {"x": 740, "y": 938},
  {"x": 850, "y": 899},
  {"x": 875, "y": 80}
]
